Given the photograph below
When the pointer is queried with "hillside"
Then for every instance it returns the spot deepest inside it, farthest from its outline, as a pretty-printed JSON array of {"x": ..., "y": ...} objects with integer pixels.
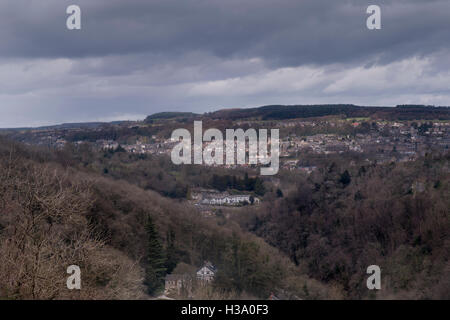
[
  {"x": 344, "y": 218},
  {"x": 55, "y": 215},
  {"x": 350, "y": 193}
]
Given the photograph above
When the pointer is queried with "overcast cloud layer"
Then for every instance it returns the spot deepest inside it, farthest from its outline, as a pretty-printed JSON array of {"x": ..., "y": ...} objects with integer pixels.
[{"x": 137, "y": 57}]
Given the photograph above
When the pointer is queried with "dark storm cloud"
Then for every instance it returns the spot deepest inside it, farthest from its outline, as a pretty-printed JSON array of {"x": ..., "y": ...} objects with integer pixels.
[
  {"x": 282, "y": 32},
  {"x": 137, "y": 57}
]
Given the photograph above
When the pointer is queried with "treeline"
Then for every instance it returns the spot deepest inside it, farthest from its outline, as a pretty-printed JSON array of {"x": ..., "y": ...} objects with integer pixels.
[
  {"x": 321, "y": 127},
  {"x": 170, "y": 115},
  {"x": 280, "y": 112},
  {"x": 225, "y": 182},
  {"x": 122, "y": 134}
]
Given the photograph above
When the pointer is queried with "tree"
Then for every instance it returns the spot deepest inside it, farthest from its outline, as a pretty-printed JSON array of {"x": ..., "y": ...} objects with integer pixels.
[
  {"x": 155, "y": 269},
  {"x": 171, "y": 261},
  {"x": 259, "y": 187},
  {"x": 279, "y": 193},
  {"x": 345, "y": 178},
  {"x": 247, "y": 182},
  {"x": 120, "y": 149}
]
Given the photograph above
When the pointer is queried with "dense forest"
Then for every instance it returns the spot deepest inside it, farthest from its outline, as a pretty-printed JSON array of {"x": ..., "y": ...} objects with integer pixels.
[
  {"x": 340, "y": 220},
  {"x": 54, "y": 215}
]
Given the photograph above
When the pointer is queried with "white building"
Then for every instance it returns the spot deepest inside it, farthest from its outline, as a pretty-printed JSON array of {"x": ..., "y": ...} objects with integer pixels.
[
  {"x": 231, "y": 200},
  {"x": 207, "y": 272}
]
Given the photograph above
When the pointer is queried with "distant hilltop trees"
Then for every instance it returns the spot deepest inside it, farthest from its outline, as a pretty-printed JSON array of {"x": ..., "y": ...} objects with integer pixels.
[
  {"x": 281, "y": 112},
  {"x": 414, "y": 106},
  {"x": 169, "y": 115}
]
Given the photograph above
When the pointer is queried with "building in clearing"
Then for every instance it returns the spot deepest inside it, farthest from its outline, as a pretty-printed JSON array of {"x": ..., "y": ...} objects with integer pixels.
[{"x": 183, "y": 284}]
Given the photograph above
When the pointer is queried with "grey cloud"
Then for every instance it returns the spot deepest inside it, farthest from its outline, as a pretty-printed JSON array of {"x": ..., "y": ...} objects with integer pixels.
[
  {"x": 137, "y": 57},
  {"x": 282, "y": 32}
]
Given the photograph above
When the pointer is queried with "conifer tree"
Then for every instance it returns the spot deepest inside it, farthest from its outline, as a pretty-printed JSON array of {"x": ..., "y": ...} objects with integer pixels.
[
  {"x": 345, "y": 178},
  {"x": 171, "y": 261},
  {"x": 155, "y": 269},
  {"x": 259, "y": 187}
]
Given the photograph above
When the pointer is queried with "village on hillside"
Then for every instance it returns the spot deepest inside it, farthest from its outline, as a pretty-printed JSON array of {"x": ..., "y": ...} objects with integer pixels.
[{"x": 380, "y": 141}]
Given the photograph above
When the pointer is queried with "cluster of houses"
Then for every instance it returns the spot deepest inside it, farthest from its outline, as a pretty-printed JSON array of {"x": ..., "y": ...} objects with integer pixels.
[
  {"x": 398, "y": 137},
  {"x": 407, "y": 140},
  {"x": 320, "y": 144},
  {"x": 390, "y": 141},
  {"x": 231, "y": 200},
  {"x": 214, "y": 198},
  {"x": 184, "y": 283},
  {"x": 140, "y": 147}
]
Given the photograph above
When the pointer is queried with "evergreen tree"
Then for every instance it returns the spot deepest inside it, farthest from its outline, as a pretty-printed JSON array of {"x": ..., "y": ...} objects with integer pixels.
[
  {"x": 171, "y": 261},
  {"x": 279, "y": 193},
  {"x": 155, "y": 270},
  {"x": 259, "y": 187},
  {"x": 247, "y": 182},
  {"x": 345, "y": 178},
  {"x": 120, "y": 149}
]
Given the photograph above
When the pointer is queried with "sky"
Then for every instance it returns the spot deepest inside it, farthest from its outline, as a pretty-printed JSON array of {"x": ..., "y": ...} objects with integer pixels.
[{"x": 138, "y": 57}]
